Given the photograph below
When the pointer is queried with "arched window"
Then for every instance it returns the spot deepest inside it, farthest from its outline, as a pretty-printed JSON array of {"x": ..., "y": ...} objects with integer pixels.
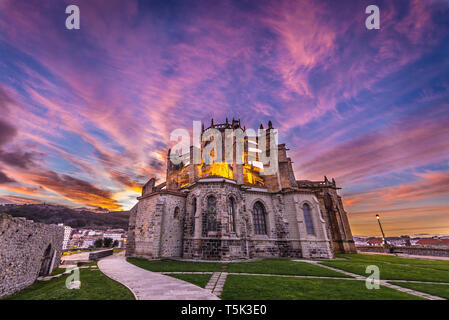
[
  {"x": 260, "y": 225},
  {"x": 176, "y": 213},
  {"x": 231, "y": 215},
  {"x": 211, "y": 214},
  {"x": 193, "y": 215},
  {"x": 308, "y": 218}
]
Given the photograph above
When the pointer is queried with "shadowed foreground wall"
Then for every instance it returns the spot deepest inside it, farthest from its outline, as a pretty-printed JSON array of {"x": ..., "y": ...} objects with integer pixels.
[{"x": 27, "y": 250}]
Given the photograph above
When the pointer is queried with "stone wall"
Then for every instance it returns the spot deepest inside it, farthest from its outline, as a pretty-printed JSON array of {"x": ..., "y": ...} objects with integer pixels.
[
  {"x": 155, "y": 229},
  {"x": 177, "y": 224},
  {"x": 221, "y": 244},
  {"x": 332, "y": 211},
  {"x": 316, "y": 244},
  {"x": 100, "y": 254},
  {"x": 27, "y": 250},
  {"x": 173, "y": 215},
  {"x": 173, "y": 224},
  {"x": 131, "y": 240},
  {"x": 142, "y": 228}
]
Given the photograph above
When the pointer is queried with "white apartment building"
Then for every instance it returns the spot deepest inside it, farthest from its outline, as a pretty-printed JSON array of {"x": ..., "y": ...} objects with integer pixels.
[
  {"x": 67, "y": 233},
  {"x": 113, "y": 236}
]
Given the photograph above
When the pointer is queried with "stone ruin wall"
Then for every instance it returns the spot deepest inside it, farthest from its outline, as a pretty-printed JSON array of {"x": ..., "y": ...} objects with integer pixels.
[
  {"x": 131, "y": 241},
  {"x": 24, "y": 252}
]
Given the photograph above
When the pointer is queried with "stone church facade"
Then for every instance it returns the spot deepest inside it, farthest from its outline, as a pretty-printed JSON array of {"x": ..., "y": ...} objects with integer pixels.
[{"x": 232, "y": 211}]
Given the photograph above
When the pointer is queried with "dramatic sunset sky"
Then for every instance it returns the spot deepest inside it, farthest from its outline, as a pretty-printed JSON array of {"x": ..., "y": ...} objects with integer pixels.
[{"x": 86, "y": 114}]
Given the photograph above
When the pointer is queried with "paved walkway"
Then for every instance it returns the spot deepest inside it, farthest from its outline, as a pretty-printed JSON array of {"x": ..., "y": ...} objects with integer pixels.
[
  {"x": 410, "y": 291},
  {"x": 74, "y": 258},
  {"x": 212, "y": 281},
  {"x": 216, "y": 283},
  {"x": 147, "y": 285}
]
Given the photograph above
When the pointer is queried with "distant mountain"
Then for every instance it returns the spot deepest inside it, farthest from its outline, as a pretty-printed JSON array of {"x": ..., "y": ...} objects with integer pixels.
[{"x": 76, "y": 218}]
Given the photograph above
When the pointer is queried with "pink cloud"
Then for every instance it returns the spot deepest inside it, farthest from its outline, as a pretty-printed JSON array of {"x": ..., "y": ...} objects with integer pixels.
[
  {"x": 125, "y": 81},
  {"x": 411, "y": 141}
]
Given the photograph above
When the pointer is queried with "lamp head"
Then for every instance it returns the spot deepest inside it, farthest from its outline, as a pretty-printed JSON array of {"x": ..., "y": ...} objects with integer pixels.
[{"x": 377, "y": 217}]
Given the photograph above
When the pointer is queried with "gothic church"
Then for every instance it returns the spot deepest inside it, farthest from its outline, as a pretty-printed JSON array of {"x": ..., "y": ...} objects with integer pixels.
[{"x": 231, "y": 211}]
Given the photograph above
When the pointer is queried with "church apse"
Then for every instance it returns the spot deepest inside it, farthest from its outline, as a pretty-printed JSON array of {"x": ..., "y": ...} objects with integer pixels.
[{"x": 228, "y": 210}]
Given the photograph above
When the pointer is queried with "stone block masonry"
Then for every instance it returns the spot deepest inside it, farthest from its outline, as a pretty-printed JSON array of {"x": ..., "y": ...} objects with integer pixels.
[{"x": 27, "y": 250}]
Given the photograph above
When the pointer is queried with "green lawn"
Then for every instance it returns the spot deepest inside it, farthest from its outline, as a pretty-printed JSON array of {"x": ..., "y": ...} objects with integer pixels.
[
  {"x": 88, "y": 264},
  {"x": 58, "y": 271},
  {"x": 94, "y": 286},
  {"x": 393, "y": 268},
  {"x": 282, "y": 267},
  {"x": 240, "y": 287},
  {"x": 268, "y": 266},
  {"x": 440, "y": 290},
  {"x": 175, "y": 266},
  {"x": 199, "y": 280},
  {"x": 433, "y": 264},
  {"x": 280, "y": 288}
]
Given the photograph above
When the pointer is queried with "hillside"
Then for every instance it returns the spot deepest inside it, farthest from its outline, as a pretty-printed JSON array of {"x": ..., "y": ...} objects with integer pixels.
[{"x": 76, "y": 218}]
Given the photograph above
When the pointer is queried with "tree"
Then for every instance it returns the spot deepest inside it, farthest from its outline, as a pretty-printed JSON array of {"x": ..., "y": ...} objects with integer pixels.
[
  {"x": 107, "y": 242},
  {"x": 80, "y": 223},
  {"x": 98, "y": 243}
]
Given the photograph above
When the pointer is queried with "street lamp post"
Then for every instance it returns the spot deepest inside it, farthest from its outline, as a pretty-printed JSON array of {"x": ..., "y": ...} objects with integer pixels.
[{"x": 384, "y": 240}]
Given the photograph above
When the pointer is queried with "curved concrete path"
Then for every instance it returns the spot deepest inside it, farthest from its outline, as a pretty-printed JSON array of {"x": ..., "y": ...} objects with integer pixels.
[{"x": 147, "y": 285}]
